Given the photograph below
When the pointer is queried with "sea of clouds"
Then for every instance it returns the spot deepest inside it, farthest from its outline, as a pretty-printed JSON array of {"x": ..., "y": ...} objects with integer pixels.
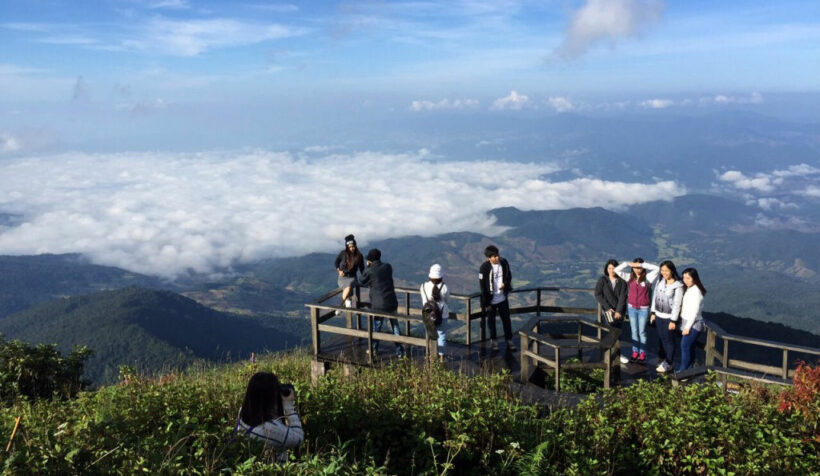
[{"x": 170, "y": 213}]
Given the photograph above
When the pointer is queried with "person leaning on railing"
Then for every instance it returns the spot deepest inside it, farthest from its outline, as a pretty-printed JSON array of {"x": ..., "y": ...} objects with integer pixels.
[
  {"x": 435, "y": 289},
  {"x": 268, "y": 414}
]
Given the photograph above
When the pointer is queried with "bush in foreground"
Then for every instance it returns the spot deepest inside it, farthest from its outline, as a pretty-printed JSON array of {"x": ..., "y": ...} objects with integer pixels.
[{"x": 406, "y": 419}]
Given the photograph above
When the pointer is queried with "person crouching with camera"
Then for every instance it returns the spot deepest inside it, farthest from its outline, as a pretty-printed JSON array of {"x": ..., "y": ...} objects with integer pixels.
[{"x": 268, "y": 414}]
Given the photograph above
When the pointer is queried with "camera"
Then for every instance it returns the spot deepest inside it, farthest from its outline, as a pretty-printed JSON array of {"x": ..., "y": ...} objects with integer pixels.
[{"x": 286, "y": 389}]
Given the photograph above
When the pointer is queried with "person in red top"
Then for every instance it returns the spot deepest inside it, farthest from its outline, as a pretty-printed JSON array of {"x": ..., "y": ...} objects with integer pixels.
[{"x": 640, "y": 280}]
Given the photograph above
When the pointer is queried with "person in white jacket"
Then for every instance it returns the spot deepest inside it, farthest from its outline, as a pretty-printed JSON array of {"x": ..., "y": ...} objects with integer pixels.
[
  {"x": 691, "y": 321},
  {"x": 268, "y": 414},
  {"x": 435, "y": 289},
  {"x": 666, "y": 303}
]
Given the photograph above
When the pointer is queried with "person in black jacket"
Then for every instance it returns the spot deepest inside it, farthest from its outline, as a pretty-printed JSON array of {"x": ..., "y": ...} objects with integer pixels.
[
  {"x": 495, "y": 280},
  {"x": 379, "y": 278},
  {"x": 610, "y": 292}
]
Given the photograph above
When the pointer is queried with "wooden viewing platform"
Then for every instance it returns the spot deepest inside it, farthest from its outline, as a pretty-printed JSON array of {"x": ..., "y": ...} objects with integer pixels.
[{"x": 555, "y": 339}]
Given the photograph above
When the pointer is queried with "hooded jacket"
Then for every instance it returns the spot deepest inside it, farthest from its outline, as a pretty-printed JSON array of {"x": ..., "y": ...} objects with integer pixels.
[
  {"x": 379, "y": 278},
  {"x": 667, "y": 299}
]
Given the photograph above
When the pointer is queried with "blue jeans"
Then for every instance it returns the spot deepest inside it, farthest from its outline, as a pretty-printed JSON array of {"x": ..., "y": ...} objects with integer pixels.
[
  {"x": 638, "y": 318},
  {"x": 687, "y": 354},
  {"x": 394, "y": 324},
  {"x": 442, "y": 336}
]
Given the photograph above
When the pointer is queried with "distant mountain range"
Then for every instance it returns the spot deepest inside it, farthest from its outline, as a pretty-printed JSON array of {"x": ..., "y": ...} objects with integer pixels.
[
  {"x": 150, "y": 330},
  {"x": 750, "y": 267}
]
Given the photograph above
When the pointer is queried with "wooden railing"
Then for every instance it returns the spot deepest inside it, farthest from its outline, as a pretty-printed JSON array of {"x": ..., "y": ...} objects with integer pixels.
[
  {"x": 747, "y": 370},
  {"x": 533, "y": 336},
  {"x": 321, "y": 311}
]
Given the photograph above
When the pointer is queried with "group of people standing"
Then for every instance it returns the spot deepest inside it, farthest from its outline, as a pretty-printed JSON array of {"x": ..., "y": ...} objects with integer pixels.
[
  {"x": 646, "y": 293},
  {"x": 654, "y": 295},
  {"x": 495, "y": 280}
]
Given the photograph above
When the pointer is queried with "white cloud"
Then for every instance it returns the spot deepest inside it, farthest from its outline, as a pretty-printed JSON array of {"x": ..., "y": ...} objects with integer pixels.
[
  {"x": 164, "y": 213},
  {"x": 721, "y": 99},
  {"x": 760, "y": 182},
  {"x": 192, "y": 37},
  {"x": 561, "y": 104},
  {"x": 609, "y": 20},
  {"x": 769, "y": 203},
  {"x": 788, "y": 179},
  {"x": 443, "y": 104},
  {"x": 811, "y": 191},
  {"x": 657, "y": 103},
  {"x": 8, "y": 143},
  {"x": 513, "y": 101}
]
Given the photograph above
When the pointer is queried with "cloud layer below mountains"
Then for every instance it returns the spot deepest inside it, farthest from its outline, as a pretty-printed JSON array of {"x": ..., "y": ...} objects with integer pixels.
[{"x": 166, "y": 214}]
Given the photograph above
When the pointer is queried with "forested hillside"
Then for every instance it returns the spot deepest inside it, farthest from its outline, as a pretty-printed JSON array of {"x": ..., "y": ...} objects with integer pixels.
[{"x": 149, "y": 330}]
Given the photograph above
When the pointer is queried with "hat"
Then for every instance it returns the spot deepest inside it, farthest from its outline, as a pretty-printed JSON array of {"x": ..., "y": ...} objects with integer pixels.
[
  {"x": 435, "y": 272},
  {"x": 374, "y": 255},
  {"x": 350, "y": 240}
]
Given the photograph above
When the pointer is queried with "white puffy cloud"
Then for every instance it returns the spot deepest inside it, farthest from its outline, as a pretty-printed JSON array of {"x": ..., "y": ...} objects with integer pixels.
[
  {"x": 165, "y": 213},
  {"x": 609, "y": 20},
  {"x": 424, "y": 105},
  {"x": 657, "y": 103},
  {"x": 768, "y": 203},
  {"x": 8, "y": 143},
  {"x": 811, "y": 191},
  {"x": 513, "y": 101},
  {"x": 561, "y": 104},
  {"x": 760, "y": 182}
]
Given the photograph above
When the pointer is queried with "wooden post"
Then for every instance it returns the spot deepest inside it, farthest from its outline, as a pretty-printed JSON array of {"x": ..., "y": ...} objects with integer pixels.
[
  {"x": 314, "y": 330},
  {"x": 607, "y": 367},
  {"x": 525, "y": 360},
  {"x": 538, "y": 302},
  {"x": 725, "y": 364},
  {"x": 407, "y": 312},
  {"x": 599, "y": 322},
  {"x": 785, "y": 364},
  {"x": 535, "y": 346},
  {"x": 710, "y": 347},
  {"x": 370, "y": 339},
  {"x": 469, "y": 323},
  {"x": 557, "y": 369}
]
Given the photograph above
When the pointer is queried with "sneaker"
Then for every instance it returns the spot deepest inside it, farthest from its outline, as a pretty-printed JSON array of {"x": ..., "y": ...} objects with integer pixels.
[
  {"x": 494, "y": 345},
  {"x": 642, "y": 357},
  {"x": 663, "y": 367},
  {"x": 634, "y": 355},
  {"x": 511, "y": 346},
  {"x": 348, "y": 303},
  {"x": 624, "y": 359}
]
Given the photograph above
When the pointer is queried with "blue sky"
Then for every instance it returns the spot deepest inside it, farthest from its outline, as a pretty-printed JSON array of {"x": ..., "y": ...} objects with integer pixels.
[
  {"x": 183, "y": 50},
  {"x": 188, "y": 134}
]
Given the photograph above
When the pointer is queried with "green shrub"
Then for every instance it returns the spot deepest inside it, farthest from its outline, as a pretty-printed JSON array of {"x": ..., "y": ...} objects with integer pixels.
[{"x": 405, "y": 419}]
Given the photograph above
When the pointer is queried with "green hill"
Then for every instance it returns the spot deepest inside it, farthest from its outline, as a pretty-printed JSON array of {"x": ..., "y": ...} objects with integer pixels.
[
  {"x": 151, "y": 330},
  {"x": 29, "y": 280}
]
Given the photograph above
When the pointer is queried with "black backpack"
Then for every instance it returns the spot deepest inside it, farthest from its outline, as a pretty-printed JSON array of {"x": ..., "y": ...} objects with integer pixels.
[{"x": 431, "y": 313}]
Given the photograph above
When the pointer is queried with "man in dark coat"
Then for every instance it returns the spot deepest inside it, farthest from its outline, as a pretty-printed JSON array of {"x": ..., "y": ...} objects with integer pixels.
[
  {"x": 378, "y": 277},
  {"x": 495, "y": 280}
]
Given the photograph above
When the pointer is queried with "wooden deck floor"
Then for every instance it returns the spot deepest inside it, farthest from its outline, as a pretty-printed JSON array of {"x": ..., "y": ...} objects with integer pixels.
[{"x": 481, "y": 359}]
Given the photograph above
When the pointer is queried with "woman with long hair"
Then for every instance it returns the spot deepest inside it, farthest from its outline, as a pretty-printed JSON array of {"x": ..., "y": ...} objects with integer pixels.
[
  {"x": 691, "y": 324},
  {"x": 434, "y": 289},
  {"x": 640, "y": 280},
  {"x": 348, "y": 262},
  {"x": 610, "y": 292},
  {"x": 666, "y": 303},
  {"x": 268, "y": 414}
]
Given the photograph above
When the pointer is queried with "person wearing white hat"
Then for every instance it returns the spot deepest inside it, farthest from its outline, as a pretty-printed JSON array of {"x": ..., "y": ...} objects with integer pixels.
[{"x": 435, "y": 289}]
